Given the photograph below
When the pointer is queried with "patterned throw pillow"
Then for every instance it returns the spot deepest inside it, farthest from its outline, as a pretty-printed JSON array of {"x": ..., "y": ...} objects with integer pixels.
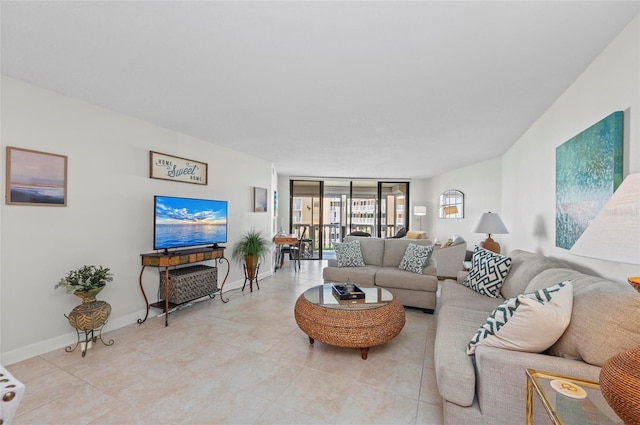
[
  {"x": 416, "y": 258},
  {"x": 487, "y": 273},
  {"x": 529, "y": 322},
  {"x": 349, "y": 254}
]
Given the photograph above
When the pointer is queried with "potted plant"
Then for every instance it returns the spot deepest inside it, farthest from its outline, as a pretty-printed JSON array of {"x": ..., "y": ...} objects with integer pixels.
[
  {"x": 249, "y": 249},
  {"x": 86, "y": 281}
]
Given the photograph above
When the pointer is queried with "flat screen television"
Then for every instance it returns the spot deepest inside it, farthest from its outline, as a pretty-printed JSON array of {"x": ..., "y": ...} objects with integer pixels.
[{"x": 188, "y": 222}]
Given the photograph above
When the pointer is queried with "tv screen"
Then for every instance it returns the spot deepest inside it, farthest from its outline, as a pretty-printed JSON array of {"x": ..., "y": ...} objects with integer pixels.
[{"x": 183, "y": 222}]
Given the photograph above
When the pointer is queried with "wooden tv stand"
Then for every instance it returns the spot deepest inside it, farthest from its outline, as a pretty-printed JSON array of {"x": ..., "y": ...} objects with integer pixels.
[{"x": 177, "y": 258}]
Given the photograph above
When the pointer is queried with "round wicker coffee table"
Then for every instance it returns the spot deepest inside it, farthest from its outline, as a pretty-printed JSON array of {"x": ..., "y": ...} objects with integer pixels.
[{"x": 348, "y": 323}]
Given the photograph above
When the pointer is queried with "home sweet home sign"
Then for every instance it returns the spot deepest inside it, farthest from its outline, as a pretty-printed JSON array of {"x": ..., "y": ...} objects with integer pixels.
[{"x": 168, "y": 167}]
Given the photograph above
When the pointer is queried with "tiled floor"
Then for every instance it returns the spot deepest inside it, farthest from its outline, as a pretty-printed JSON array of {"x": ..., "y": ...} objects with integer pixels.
[{"x": 244, "y": 362}]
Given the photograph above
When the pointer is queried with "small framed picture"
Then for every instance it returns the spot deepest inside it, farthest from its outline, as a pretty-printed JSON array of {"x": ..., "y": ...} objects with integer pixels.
[
  {"x": 36, "y": 178},
  {"x": 259, "y": 199}
]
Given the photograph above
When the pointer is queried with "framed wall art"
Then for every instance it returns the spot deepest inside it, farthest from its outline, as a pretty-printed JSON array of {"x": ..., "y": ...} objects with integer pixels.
[
  {"x": 174, "y": 168},
  {"x": 588, "y": 171},
  {"x": 35, "y": 178},
  {"x": 259, "y": 199}
]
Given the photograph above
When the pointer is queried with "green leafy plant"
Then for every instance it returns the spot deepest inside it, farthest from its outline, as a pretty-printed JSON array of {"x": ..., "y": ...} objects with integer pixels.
[
  {"x": 251, "y": 244},
  {"x": 85, "y": 278}
]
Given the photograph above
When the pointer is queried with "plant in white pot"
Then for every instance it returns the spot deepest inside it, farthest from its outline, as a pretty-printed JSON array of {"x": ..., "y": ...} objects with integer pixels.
[
  {"x": 251, "y": 247},
  {"x": 86, "y": 281}
]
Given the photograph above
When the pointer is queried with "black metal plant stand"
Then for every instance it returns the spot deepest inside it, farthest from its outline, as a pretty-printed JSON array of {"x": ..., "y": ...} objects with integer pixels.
[
  {"x": 250, "y": 280},
  {"x": 90, "y": 336}
]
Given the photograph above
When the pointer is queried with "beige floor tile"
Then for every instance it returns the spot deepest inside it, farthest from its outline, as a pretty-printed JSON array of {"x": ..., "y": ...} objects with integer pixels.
[
  {"x": 245, "y": 361},
  {"x": 277, "y": 415},
  {"x": 76, "y": 404},
  {"x": 429, "y": 388},
  {"x": 370, "y": 405},
  {"x": 429, "y": 414},
  {"x": 392, "y": 375},
  {"x": 318, "y": 394}
]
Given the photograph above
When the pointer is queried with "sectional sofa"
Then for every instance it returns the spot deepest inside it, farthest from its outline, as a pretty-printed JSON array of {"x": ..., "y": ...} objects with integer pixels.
[
  {"x": 382, "y": 258},
  {"x": 489, "y": 387}
]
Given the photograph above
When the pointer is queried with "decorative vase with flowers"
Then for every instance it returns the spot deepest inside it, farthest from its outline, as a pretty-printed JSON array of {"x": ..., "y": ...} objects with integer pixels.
[{"x": 86, "y": 282}]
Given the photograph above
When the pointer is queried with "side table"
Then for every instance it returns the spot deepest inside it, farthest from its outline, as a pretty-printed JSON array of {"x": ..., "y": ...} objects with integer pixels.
[{"x": 565, "y": 410}]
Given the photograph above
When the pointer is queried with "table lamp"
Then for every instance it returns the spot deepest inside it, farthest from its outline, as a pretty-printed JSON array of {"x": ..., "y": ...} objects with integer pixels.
[
  {"x": 614, "y": 235},
  {"x": 420, "y": 211},
  {"x": 490, "y": 223}
]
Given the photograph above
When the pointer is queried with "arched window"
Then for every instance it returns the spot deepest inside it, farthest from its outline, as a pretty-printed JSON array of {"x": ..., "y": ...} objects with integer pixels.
[{"x": 451, "y": 204}]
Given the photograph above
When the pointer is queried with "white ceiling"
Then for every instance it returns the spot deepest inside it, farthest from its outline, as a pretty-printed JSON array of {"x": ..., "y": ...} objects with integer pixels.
[{"x": 328, "y": 89}]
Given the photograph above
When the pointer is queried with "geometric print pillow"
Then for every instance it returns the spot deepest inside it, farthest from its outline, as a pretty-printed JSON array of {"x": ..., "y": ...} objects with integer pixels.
[
  {"x": 487, "y": 273},
  {"x": 529, "y": 322},
  {"x": 349, "y": 254},
  {"x": 416, "y": 258}
]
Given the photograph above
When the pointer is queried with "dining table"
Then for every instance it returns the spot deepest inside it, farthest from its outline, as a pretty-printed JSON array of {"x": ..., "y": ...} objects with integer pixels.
[{"x": 280, "y": 240}]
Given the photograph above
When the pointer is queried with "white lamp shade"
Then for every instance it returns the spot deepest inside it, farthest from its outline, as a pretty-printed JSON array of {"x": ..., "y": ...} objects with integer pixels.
[
  {"x": 419, "y": 210},
  {"x": 614, "y": 234},
  {"x": 491, "y": 224}
]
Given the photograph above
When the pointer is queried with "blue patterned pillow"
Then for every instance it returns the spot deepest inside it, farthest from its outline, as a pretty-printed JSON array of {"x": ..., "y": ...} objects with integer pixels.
[
  {"x": 487, "y": 273},
  {"x": 349, "y": 254},
  {"x": 416, "y": 258}
]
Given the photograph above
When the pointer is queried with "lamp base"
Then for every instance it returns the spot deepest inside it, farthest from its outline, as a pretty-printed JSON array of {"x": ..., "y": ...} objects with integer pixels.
[
  {"x": 491, "y": 245},
  {"x": 620, "y": 385},
  {"x": 635, "y": 282}
]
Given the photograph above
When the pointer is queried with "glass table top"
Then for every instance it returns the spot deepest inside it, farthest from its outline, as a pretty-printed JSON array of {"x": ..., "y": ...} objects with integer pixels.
[
  {"x": 323, "y": 295},
  {"x": 584, "y": 405}
]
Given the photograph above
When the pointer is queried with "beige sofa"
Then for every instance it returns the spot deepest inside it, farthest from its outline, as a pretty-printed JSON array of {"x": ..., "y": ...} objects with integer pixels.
[
  {"x": 382, "y": 258},
  {"x": 490, "y": 386},
  {"x": 450, "y": 260}
]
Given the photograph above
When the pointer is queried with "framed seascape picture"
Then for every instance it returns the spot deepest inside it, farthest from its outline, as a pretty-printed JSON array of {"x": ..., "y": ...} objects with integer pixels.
[
  {"x": 259, "y": 199},
  {"x": 35, "y": 178}
]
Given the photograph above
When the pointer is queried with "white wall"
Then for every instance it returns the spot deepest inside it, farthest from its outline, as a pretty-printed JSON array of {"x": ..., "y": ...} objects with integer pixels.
[
  {"x": 482, "y": 187},
  {"x": 611, "y": 83},
  {"x": 109, "y": 217},
  {"x": 521, "y": 185}
]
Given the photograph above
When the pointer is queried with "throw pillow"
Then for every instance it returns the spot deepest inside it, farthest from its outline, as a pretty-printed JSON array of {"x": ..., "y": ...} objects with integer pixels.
[
  {"x": 446, "y": 243},
  {"x": 349, "y": 254},
  {"x": 487, "y": 273},
  {"x": 456, "y": 240},
  {"x": 529, "y": 322},
  {"x": 416, "y": 258}
]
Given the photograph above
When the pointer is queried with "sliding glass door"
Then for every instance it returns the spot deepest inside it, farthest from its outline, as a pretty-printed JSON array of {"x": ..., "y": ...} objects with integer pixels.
[{"x": 324, "y": 212}]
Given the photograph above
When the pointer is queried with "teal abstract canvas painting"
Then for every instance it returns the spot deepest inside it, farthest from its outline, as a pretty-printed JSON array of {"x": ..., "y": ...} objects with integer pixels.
[{"x": 588, "y": 171}]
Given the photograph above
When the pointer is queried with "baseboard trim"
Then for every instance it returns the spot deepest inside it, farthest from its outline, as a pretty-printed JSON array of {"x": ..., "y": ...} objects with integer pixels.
[{"x": 70, "y": 338}]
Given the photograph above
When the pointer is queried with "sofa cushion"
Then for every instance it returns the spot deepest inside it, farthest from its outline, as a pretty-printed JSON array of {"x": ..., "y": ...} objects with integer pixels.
[
  {"x": 372, "y": 249},
  {"x": 604, "y": 320},
  {"x": 364, "y": 276},
  {"x": 455, "y": 372},
  {"x": 393, "y": 277},
  {"x": 349, "y": 254},
  {"x": 394, "y": 250},
  {"x": 487, "y": 273},
  {"x": 415, "y": 258},
  {"x": 524, "y": 267},
  {"x": 455, "y": 294},
  {"x": 528, "y": 322}
]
